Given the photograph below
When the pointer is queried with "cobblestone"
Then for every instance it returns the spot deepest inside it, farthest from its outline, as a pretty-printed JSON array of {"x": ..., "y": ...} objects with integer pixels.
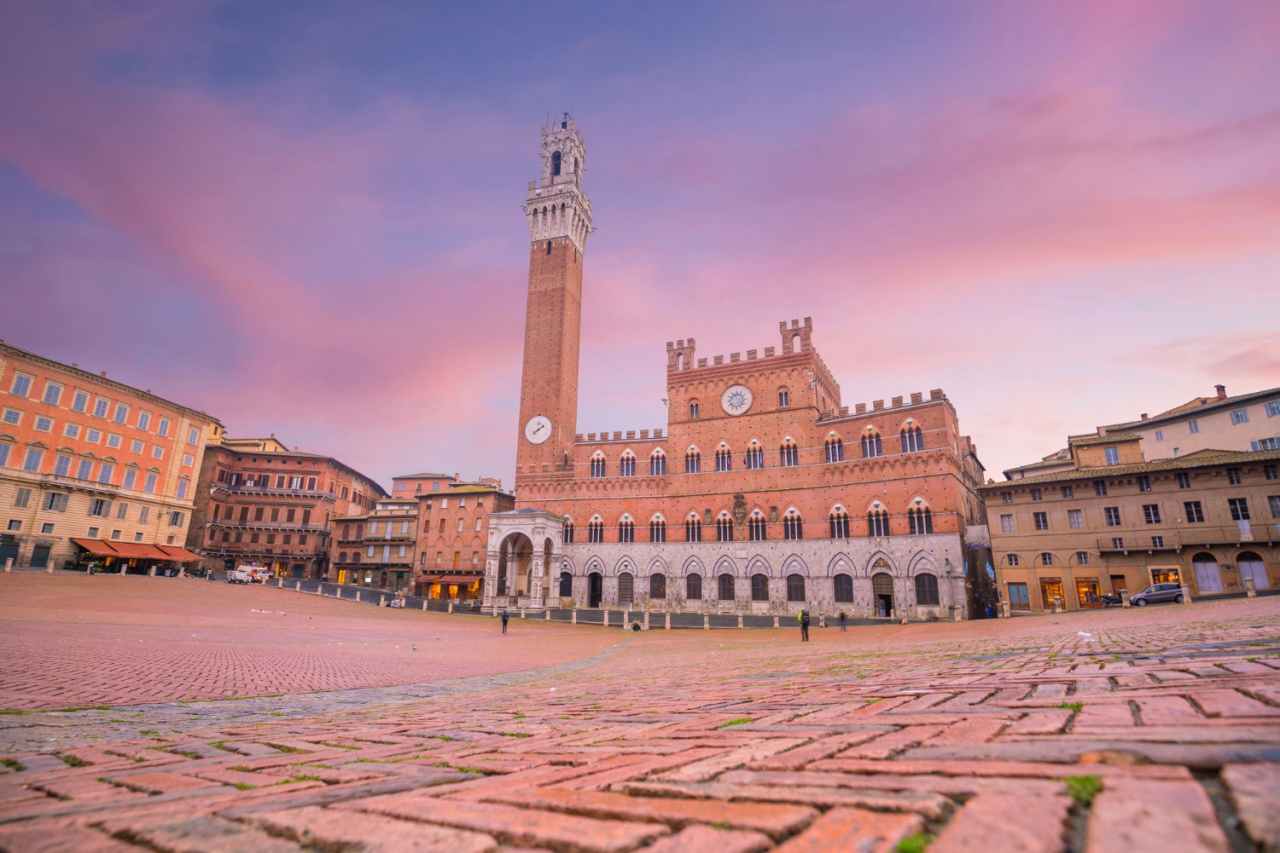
[{"x": 577, "y": 738}]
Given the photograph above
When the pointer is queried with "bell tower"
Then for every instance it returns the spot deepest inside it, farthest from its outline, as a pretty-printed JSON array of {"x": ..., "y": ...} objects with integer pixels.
[{"x": 559, "y": 216}]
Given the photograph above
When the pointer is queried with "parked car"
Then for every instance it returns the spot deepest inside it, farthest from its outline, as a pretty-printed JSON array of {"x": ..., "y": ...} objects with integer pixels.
[{"x": 1156, "y": 594}]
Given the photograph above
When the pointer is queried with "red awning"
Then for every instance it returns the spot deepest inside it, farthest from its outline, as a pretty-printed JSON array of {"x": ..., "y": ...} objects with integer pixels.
[
  {"x": 178, "y": 555},
  {"x": 97, "y": 547}
]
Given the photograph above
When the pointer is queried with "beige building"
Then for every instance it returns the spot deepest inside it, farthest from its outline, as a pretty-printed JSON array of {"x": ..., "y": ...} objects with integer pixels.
[
  {"x": 1243, "y": 422},
  {"x": 1111, "y": 519},
  {"x": 92, "y": 468}
]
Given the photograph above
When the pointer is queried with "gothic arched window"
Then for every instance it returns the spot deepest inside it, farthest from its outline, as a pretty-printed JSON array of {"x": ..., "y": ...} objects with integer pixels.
[
  {"x": 789, "y": 454},
  {"x": 658, "y": 586},
  {"x": 921, "y": 520},
  {"x": 692, "y": 461},
  {"x": 835, "y": 449},
  {"x": 755, "y": 455},
  {"x": 724, "y": 458},
  {"x": 566, "y": 585},
  {"x": 839, "y": 523},
  {"x": 657, "y": 463},
  {"x": 555, "y": 164},
  {"x": 626, "y": 529},
  {"x": 657, "y": 529},
  {"x": 872, "y": 444},
  {"x": 912, "y": 439},
  {"x": 926, "y": 588},
  {"x": 568, "y": 532},
  {"x": 724, "y": 528},
  {"x": 694, "y": 410},
  {"x": 759, "y": 587},
  {"x": 595, "y": 530},
  {"x": 784, "y": 398},
  {"x": 725, "y": 590},
  {"x": 693, "y": 587},
  {"x": 756, "y": 528},
  {"x": 597, "y": 464},
  {"x": 792, "y": 525},
  {"x": 795, "y": 587},
  {"x": 693, "y": 528},
  {"x": 627, "y": 464},
  {"x": 844, "y": 588},
  {"x": 878, "y": 522}
]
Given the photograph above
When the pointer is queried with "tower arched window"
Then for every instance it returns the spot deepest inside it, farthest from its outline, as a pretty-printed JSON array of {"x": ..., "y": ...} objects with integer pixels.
[
  {"x": 657, "y": 529},
  {"x": 921, "y": 520},
  {"x": 784, "y": 398},
  {"x": 724, "y": 458},
  {"x": 724, "y": 527},
  {"x": 759, "y": 587},
  {"x": 792, "y": 525},
  {"x": 658, "y": 587},
  {"x": 692, "y": 461},
  {"x": 927, "y": 588},
  {"x": 694, "y": 410},
  {"x": 627, "y": 464},
  {"x": 597, "y": 464},
  {"x": 757, "y": 529},
  {"x": 626, "y": 530},
  {"x": 755, "y": 455},
  {"x": 657, "y": 463},
  {"x": 835, "y": 449},
  {"x": 693, "y": 528},
  {"x": 693, "y": 587},
  {"x": 872, "y": 445},
  {"x": 567, "y": 532},
  {"x": 595, "y": 530},
  {"x": 795, "y": 588},
  {"x": 912, "y": 439},
  {"x": 555, "y": 164},
  {"x": 789, "y": 454},
  {"x": 839, "y": 520},
  {"x": 725, "y": 590},
  {"x": 877, "y": 522}
]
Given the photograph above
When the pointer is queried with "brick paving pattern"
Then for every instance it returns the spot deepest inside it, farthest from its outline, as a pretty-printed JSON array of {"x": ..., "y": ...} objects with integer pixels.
[{"x": 1120, "y": 730}]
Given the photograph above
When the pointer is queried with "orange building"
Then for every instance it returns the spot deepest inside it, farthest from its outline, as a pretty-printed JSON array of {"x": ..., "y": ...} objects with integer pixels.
[
  {"x": 260, "y": 502},
  {"x": 92, "y": 468},
  {"x": 763, "y": 492}
]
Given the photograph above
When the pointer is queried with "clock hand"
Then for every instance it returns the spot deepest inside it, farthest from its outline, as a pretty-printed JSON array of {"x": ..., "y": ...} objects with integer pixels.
[{"x": 540, "y": 428}]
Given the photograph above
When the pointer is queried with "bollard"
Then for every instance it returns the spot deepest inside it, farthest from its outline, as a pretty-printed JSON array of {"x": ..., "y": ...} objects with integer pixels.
[
  {"x": 449, "y": 608},
  {"x": 667, "y": 620},
  {"x": 606, "y": 618},
  {"x": 573, "y": 619},
  {"x": 739, "y": 620},
  {"x": 1186, "y": 594},
  {"x": 706, "y": 622},
  {"x": 298, "y": 586},
  {"x": 357, "y": 595},
  {"x": 424, "y": 605},
  {"x": 546, "y": 614},
  {"x": 49, "y": 569},
  {"x": 521, "y": 612},
  {"x": 382, "y": 601},
  {"x": 626, "y": 618},
  {"x": 822, "y": 621},
  {"x": 1124, "y": 598},
  {"x": 151, "y": 572},
  {"x": 1004, "y": 610},
  {"x": 646, "y": 620},
  {"x": 279, "y": 583},
  {"x": 775, "y": 621},
  {"x": 8, "y": 564},
  {"x": 956, "y": 615},
  {"x": 1250, "y": 588}
]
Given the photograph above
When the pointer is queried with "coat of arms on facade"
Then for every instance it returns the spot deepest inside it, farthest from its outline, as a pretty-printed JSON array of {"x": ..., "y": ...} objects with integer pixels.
[{"x": 740, "y": 509}]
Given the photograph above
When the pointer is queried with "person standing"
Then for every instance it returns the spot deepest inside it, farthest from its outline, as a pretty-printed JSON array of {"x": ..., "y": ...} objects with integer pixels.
[
  {"x": 804, "y": 626},
  {"x": 843, "y": 622},
  {"x": 505, "y": 616}
]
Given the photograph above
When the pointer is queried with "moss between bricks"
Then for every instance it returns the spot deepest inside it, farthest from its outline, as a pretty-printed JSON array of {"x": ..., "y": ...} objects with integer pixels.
[
  {"x": 13, "y": 764},
  {"x": 1083, "y": 789},
  {"x": 914, "y": 843},
  {"x": 736, "y": 721},
  {"x": 1072, "y": 706}
]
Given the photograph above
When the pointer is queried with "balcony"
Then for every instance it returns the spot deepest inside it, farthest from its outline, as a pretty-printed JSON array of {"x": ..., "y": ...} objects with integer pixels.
[
  {"x": 272, "y": 526},
  {"x": 245, "y": 489},
  {"x": 1190, "y": 536}
]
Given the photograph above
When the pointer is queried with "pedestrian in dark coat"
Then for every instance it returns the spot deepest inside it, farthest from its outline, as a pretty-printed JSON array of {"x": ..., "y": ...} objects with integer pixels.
[
  {"x": 804, "y": 626},
  {"x": 843, "y": 621},
  {"x": 505, "y": 617}
]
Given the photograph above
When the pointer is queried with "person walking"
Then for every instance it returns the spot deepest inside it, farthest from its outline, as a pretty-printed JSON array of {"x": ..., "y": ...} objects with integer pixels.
[
  {"x": 505, "y": 617},
  {"x": 804, "y": 626},
  {"x": 844, "y": 621}
]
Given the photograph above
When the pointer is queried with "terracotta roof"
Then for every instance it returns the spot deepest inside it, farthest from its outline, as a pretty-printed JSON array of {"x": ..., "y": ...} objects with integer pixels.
[
  {"x": 1085, "y": 441},
  {"x": 1196, "y": 406},
  {"x": 426, "y": 475},
  {"x": 1199, "y": 459}
]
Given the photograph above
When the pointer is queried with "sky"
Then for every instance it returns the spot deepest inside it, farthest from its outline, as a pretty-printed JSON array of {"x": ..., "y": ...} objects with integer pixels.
[{"x": 304, "y": 218}]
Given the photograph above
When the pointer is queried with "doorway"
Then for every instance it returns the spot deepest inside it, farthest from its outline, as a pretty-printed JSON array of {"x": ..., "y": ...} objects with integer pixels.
[
  {"x": 1208, "y": 575},
  {"x": 40, "y": 556},
  {"x": 1251, "y": 566},
  {"x": 595, "y": 589},
  {"x": 882, "y": 593},
  {"x": 1088, "y": 592},
  {"x": 1051, "y": 593},
  {"x": 1119, "y": 584}
]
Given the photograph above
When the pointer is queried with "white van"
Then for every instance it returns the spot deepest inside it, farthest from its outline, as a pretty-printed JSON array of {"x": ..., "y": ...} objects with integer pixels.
[{"x": 248, "y": 573}]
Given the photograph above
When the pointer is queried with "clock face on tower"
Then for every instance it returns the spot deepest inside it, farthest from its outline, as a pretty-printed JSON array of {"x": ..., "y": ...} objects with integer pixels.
[
  {"x": 736, "y": 399},
  {"x": 538, "y": 429}
]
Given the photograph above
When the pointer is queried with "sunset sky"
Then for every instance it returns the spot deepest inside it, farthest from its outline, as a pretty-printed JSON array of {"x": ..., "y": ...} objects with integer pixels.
[{"x": 308, "y": 222}]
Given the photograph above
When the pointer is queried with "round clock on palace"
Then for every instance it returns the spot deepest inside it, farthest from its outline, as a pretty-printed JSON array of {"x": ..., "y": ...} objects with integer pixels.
[
  {"x": 538, "y": 429},
  {"x": 736, "y": 399}
]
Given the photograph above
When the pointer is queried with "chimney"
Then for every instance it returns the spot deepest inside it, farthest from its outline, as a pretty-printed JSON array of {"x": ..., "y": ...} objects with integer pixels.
[
  {"x": 1222, "y": 391},
  {"x": 1143, "y": 416}
]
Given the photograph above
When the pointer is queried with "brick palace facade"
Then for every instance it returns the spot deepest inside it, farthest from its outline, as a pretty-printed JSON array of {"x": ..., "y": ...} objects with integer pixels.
[{"x": 764, "y": 492}]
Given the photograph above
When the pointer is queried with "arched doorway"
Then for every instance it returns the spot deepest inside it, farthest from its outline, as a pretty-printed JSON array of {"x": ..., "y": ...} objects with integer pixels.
[
  {"x": 1251, "y": 566},
  {"x": 566, "y": 585},
  {"x": 595, "y": 589},
  {"x": 882, "y": 593},
  {"x": 626, "y": 588},
  {"x": 515, "y": 560},
  {"x": 844, "y": 589},
  {"x": 1208, "y": 575}
]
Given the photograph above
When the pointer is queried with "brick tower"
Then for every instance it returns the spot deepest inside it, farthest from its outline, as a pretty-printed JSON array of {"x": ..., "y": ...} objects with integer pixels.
[{"x": 559, "y": 215}]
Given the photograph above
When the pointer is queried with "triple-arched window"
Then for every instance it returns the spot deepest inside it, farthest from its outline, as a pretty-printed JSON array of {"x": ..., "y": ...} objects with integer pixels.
[
  {"x": 627, "y": 464},
  {"x": 692, "y": 461},
  {"x": 872, "y": 444},
  {"x": 626, "y": 529},
  {"x": 912, "y": 438},
  {"x": 657, "y": 529},
  {"x": 724, "y": 527},
  {"x": 657, "y": 463},
  {"x": 834, "y": 449},
  {"x": 920, "y": 519},
  {"x": 788, "y": 453},
  {"x": 757, "y": 529},
  {"x": 568, "y": 532},
  {"x": 839, "y": 520},
  {"x": 877, "y": 522},
  {"x": 595, "y": 530},
  {"x": 695, "y": 410},
  {"x": 792, "y": 525},
  {"x": 724, "y": 458},
  {"x": 784, "y": 398},
  {"x": 755, "y": 455},
  {"x": 597, "y": 464},
  {"x": 693, "y": 528}
]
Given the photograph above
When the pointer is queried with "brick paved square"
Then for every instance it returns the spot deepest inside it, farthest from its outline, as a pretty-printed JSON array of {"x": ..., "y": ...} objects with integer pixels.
[{"x": 238, "y": 718}]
